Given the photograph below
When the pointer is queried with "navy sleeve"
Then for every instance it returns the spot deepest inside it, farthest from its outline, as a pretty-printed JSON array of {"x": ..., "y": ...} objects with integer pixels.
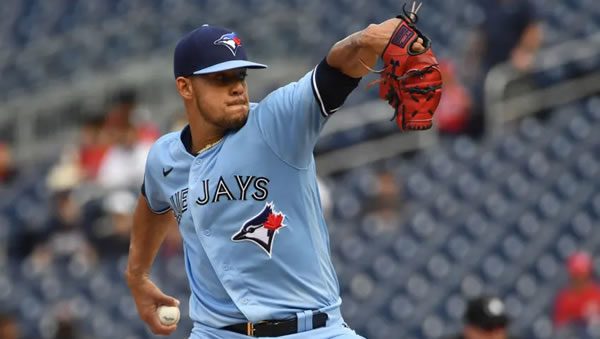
[{"x": 331, "y": 87}]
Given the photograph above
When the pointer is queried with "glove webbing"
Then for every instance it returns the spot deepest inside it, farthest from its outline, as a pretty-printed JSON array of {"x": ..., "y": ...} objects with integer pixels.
[{"x": 394, "y": 99}]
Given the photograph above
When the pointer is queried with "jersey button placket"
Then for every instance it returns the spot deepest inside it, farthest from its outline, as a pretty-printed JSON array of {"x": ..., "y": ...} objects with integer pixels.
[{"x": 207, "y": 233}]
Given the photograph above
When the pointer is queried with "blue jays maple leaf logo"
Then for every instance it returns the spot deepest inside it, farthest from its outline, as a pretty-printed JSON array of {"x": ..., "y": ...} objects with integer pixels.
[
  {"x": 229, "y": 40},
  {"x": 262, "y": 228}
]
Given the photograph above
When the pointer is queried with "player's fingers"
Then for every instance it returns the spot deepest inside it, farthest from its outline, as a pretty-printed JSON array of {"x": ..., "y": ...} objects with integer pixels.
[
  {"x": 150, "y": 317},
  {"x": 163, "y": 299},
  {"x": 417, "y": 47},
  {"x": 157, "y": 328}
]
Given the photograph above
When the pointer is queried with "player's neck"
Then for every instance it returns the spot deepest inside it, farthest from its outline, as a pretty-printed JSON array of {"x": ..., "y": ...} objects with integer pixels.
[{"x": 203, "y": 138}]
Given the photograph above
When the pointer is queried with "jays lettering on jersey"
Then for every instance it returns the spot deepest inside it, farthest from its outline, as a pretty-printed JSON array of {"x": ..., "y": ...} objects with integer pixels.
[{"x": 256, "y": 245}]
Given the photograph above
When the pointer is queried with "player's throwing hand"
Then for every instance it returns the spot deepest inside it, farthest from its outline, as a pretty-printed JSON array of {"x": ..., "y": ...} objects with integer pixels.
[{"x": 147, "y": 299}]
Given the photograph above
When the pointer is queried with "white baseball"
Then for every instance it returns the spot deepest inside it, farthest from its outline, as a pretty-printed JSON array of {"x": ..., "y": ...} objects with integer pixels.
[{"x": 168, "y": 315}]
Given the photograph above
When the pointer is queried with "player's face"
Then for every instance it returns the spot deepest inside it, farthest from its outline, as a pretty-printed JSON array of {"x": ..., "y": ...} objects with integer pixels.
[
  {"x": 222, "y": 98},
  {"x": 476, "y": 333}
]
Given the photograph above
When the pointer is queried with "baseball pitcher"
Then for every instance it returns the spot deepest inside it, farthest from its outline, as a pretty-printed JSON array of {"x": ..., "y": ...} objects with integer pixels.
[{"x": 240, "y": 180}]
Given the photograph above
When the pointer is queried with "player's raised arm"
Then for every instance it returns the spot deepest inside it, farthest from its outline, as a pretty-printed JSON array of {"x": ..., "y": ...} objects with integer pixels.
[
  {"x": 148, "y": 233},
  {"x": 351, "y": 54}
]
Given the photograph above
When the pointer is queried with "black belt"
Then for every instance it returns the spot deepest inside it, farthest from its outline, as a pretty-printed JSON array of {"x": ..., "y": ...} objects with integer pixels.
[{"x": 276, "y": 328}]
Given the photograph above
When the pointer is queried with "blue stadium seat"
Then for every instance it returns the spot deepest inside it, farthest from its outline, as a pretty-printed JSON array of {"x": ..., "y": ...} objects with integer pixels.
[
  {"x": 419, "y": 185},
  {"x": 566, "y": 185},
  {"x": 468, "y": 186},
  {"x": 517, "y": 186},
  {"x": 464, "y": 148},
  {"x": 513, "y": 246},
  {"x": 438, "y": 267},
  {"x": 418, "y": 286},
  {"x": 422, "y": 224},
  {"x": 582, "y": 225},
  {"x": 549, "y": 205},
  {"x": 531, "y": 129},
  {"x": 405, "y": 247},
  {"x": 384, "y": 267},
  {"x": 512, "y": 148},
  {"x": 401, "y": 307},
  {"x": 529, "y": 224},
  {"x": 547, "y": 267},
  {"x": 458, "y": 247},
  {"x": 537, "y": 165},
  {"x": 477, "y": 225},
  {"x": 587, "y": 166},
  {"x": 595, "y": 205}
]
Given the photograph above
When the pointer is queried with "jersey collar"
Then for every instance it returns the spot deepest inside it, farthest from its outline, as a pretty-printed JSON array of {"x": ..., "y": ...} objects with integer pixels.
[{"x": 186, "y": 140}]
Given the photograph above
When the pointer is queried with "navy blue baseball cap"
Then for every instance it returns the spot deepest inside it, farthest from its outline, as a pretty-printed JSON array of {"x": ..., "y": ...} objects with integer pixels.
[{"x": 209, "y": 49}]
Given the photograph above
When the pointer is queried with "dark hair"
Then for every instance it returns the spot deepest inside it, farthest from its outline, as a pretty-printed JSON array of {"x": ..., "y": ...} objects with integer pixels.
[
  {"x": 125, "y": 96},
  {"x": 487, "y": 313},
  {"x": 66, "y": 330}
]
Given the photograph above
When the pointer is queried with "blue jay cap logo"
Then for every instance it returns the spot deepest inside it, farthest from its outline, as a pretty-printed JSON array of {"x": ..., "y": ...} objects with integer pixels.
[
  {"x": 229, "y": 40},
  {"x": 210, "y": 49}
]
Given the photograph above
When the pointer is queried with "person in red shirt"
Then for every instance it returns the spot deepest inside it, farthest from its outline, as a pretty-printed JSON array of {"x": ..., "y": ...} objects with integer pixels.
[
  {"x": 453, "y": 114},
  {"x": 579, "y": 302}
]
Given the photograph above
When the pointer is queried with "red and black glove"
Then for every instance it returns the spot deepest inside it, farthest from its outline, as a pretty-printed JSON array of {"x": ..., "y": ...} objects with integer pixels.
[{"x": 411, "y": 80}]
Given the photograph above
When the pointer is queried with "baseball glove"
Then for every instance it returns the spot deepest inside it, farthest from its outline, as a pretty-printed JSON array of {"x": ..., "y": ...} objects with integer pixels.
[{"x": 411, "y": 81}]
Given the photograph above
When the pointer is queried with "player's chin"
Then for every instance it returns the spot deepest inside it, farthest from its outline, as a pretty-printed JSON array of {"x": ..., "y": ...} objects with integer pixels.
[{"x": 237, "y": 115}]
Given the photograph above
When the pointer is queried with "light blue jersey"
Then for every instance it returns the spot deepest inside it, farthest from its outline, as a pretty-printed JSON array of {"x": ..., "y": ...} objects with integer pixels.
[{"x": 256, "y": 245}]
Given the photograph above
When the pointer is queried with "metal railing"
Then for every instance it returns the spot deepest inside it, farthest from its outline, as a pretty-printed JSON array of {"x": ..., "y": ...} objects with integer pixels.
[{"x": 500, "y": 109}]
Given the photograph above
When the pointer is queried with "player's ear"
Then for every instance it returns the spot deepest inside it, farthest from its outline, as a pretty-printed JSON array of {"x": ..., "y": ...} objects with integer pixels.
[{"x": 184, "y": 87}]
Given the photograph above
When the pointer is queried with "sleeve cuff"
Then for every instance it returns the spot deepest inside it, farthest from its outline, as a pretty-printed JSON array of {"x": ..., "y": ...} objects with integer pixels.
[
  {"x": 143, "y": 192},
  {"x": 331, "y": 87}
]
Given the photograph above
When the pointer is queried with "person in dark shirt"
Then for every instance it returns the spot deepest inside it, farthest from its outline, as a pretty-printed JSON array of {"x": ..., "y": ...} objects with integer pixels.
[
  {"x": 509, "y": 31},
  {"x": 485, "y": 318}
]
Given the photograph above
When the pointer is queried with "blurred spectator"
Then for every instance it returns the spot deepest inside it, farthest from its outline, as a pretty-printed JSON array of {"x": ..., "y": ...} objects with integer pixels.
[
  {"x": 110, "y": 234},
  {"x": 60, "y": 182},
  {"x": 452, "y": 115},
  {"x": 8, "y": 170},
  {"x": 9, "y": 328},
  {"x": 65, "y": 238},
  {"x": 510, "y": 30},
  {"x": 66, "y": 328},
  {"x": 93, "y": 146},
  {"x": 579, "y": 302},
  {"x": 123, "y": 165},
  {"x": 124, "y": 113},
  {"x": 122, "y": 108},
  {"x": 384, "y": 209},
  {"x": 485, "y": 318}
]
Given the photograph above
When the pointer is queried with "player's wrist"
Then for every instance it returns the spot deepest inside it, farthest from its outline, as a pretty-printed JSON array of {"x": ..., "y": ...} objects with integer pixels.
[
  {"x": 133, "y": 276},
  {"x": 364, "y": 39}
]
